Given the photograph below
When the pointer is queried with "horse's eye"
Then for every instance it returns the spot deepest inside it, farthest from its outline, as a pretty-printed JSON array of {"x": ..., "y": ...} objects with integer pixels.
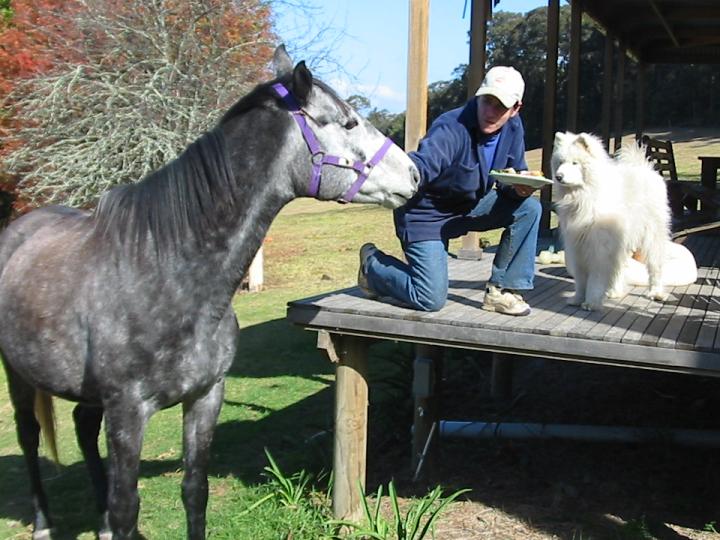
[{"x": 351, "y": 123}]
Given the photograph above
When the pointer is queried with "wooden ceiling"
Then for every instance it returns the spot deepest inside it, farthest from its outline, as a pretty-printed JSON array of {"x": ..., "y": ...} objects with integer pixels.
[{"x": 662, "y": 31}]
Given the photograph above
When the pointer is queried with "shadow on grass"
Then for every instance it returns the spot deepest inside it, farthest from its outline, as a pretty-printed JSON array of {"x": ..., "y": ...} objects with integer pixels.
[{"x": 561, "y": 488}]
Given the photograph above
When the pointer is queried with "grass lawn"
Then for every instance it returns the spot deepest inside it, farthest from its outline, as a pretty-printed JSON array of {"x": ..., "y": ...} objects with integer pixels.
[{"x": 279, "y": 392}]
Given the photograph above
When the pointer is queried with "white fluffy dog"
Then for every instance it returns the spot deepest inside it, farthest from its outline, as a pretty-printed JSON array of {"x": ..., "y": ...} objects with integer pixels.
[{"x": 608, "y": 209}]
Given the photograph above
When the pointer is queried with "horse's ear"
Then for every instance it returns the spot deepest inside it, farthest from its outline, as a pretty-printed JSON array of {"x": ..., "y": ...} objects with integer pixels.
[
  {"x": 281, "y": 62},
  {"x": 302, "y": 82}
]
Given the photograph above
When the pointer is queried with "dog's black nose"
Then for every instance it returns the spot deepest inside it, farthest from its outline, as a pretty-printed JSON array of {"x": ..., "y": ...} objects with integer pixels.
[{"x": 559, "y": 177}]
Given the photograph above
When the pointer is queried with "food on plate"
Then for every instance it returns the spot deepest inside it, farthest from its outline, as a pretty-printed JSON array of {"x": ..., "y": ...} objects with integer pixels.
[{"x": 510, "y": 170}]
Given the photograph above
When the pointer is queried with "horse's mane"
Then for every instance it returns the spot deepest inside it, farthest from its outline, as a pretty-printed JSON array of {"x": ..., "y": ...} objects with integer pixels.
[{"x": 185, "y": 200}]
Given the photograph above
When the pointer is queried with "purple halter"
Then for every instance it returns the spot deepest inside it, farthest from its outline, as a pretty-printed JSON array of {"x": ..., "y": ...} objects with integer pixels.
[{"x": 320, "y": 158}]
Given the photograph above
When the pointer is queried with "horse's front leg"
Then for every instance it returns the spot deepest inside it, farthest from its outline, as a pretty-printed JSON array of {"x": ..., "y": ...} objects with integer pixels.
[
  {"x": 199, "y": 419},
  {"x": 125, "y": 426}
]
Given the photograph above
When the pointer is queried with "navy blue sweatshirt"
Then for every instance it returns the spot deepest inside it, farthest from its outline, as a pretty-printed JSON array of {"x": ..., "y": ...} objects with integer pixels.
[{"x": 454, "y": 174}]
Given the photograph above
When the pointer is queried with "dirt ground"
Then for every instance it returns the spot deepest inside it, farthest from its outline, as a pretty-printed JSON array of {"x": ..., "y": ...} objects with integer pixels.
[{"x": 553, "y": 489}]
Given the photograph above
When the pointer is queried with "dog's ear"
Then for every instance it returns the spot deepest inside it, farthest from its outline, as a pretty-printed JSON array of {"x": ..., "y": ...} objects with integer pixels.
[
  {"x": 559, "y": 137},
  {"x": 590, "y": 144}
]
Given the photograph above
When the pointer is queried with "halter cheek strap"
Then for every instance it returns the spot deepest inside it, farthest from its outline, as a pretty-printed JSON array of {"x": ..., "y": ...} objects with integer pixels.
[{"x": 319, "y": 158}]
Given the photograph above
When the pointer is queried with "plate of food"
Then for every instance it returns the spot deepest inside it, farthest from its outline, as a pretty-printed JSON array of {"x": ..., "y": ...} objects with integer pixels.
[{"x": 526, "y": 178}]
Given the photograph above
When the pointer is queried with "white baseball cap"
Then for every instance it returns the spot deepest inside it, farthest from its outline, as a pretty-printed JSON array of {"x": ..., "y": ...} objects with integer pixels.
[{"x": 505, "y": 83}]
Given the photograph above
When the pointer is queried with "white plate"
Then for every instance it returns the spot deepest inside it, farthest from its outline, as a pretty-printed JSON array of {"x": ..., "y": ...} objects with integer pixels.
[{"x": 522, "y": 179}]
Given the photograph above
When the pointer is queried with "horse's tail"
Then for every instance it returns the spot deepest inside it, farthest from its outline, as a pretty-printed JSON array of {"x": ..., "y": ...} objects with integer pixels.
[{"x": 45, "y": 415}]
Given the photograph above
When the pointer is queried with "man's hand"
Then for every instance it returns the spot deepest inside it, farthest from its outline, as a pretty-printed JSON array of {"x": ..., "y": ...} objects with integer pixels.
[{"x": 522, "y": 190}]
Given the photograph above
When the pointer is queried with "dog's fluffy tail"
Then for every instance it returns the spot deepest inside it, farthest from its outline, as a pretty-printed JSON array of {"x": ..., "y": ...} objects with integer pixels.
[{"x": 633, "y": 154}]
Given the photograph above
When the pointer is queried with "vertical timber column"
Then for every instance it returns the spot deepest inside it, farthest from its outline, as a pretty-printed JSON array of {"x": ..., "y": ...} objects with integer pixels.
[
  {"x": 426, "y": 370},
  {"x": 607, "y": 89},
  {"x": 417, "y": 73},
  {"x": 480, "y": 12},
  {"x": 640, "y": 100},
  {"x": 351, "y": 403},
  {"x": 619, "y": 94},
  {"x": 553, "y": 29},
  {"x": 574, "y": 68}
]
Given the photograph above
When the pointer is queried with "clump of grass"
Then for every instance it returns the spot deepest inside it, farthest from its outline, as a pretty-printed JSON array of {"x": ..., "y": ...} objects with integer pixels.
[
  {"x": 310, "y": 513},
  {"x": 414, "y": 524}
]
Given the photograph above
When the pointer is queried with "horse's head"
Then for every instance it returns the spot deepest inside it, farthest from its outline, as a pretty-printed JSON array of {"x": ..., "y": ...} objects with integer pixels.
[{"x": 336, "y": 154}]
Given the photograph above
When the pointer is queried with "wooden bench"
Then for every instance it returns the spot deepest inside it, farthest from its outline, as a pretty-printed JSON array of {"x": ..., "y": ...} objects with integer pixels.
[{"x": 683, "y": 194}]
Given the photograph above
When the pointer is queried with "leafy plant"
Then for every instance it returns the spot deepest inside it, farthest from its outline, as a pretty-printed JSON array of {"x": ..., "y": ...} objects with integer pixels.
[
  {"x": 415, "y": 524},
  {"x": 290, "y": 491}
]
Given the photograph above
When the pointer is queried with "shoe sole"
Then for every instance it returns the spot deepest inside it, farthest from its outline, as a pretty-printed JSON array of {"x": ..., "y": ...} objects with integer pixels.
[{"x": 493, "y": 309}]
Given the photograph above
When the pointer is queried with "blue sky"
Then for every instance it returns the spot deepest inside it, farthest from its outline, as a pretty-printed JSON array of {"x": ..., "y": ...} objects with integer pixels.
[{"x": 369, "y": 39}]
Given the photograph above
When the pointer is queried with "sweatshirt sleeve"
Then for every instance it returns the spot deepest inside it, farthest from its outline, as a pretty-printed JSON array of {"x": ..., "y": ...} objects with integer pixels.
[{"x": 436, "y": 151}]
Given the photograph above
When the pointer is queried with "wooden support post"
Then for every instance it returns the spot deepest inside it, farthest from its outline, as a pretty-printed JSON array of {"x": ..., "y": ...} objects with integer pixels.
[
  {"x": 417, "y": 74},
  {"x": 607, "y": 89},
  {"x": 574, "y": 67},
  {"x": 619, "y": 94},
  {"x": 640, "y": 101},
  {"x": 351, "y": 403},
  {"x": 501, "y": 376},
  {"x": 553, "y": 29},
  {"x": 425, "y": 375},
  {"x": 480, "y": 12}
]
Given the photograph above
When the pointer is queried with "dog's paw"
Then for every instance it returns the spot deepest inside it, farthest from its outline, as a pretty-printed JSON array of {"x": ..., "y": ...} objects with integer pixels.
[
  {"x": 615, "y": 293},
  {"x": 658, "y": 295},
  {"x": 591, "y": 306},
  {"x": 575, "y": 300}
]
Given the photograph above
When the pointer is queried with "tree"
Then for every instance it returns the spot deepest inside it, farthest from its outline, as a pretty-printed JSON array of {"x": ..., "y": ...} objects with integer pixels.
[
  {"x": 155, "y": 75},
  {"x": 27, "y": 49}
]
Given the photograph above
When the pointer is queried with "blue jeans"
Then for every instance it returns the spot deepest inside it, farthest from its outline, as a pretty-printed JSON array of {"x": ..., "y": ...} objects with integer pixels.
[{"x": 422, "y": 282}]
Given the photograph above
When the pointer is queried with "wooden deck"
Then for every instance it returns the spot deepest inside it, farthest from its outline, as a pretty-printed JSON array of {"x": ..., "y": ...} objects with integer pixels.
[{"x": 679, "y": 335}]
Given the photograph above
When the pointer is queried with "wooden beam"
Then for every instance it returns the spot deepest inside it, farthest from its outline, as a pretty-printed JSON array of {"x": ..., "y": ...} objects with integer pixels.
[
  {"x": 553, "y": 29},
  {"x": 574, "y": 67},
  {"x": 619, "y": 94},
  {"x": 417, "y": 74},
  {"x": 351, "y": 402},
  {"x": 480, "y": 12},
  {"x": 607, "y": 89},
  {"x": 664, "y": 22},
  {"x": 640, "y": 100},
  {"x": 426, "y": 371}
]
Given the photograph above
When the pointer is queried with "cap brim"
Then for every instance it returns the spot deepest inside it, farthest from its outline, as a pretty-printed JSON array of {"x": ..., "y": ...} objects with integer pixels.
[{"x": 506, "y": 99}]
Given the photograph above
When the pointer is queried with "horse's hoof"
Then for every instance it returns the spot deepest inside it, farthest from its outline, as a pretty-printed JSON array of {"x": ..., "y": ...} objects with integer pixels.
[{"x": 42, "y": 534}]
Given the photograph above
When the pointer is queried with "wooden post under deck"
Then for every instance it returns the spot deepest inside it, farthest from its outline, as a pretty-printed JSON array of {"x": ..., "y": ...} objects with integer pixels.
[
  {"x": 426, "y": 367},
  {"x": 351, "y": 418}
]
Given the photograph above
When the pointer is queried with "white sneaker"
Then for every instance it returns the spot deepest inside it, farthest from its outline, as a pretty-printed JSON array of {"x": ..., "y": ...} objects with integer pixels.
[{"x": 505, "y": 301}]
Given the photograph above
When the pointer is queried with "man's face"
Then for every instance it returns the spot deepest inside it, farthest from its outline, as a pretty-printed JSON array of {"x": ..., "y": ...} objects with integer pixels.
[{"x": 492, "y": 114}]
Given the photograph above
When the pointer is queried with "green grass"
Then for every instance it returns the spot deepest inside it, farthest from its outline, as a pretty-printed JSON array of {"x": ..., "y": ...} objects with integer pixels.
[{"x": 279, "y": 394}]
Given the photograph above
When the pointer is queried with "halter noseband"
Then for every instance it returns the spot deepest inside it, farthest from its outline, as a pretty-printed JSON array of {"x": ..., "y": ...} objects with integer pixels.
[{"x": 320, "y": 158}]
